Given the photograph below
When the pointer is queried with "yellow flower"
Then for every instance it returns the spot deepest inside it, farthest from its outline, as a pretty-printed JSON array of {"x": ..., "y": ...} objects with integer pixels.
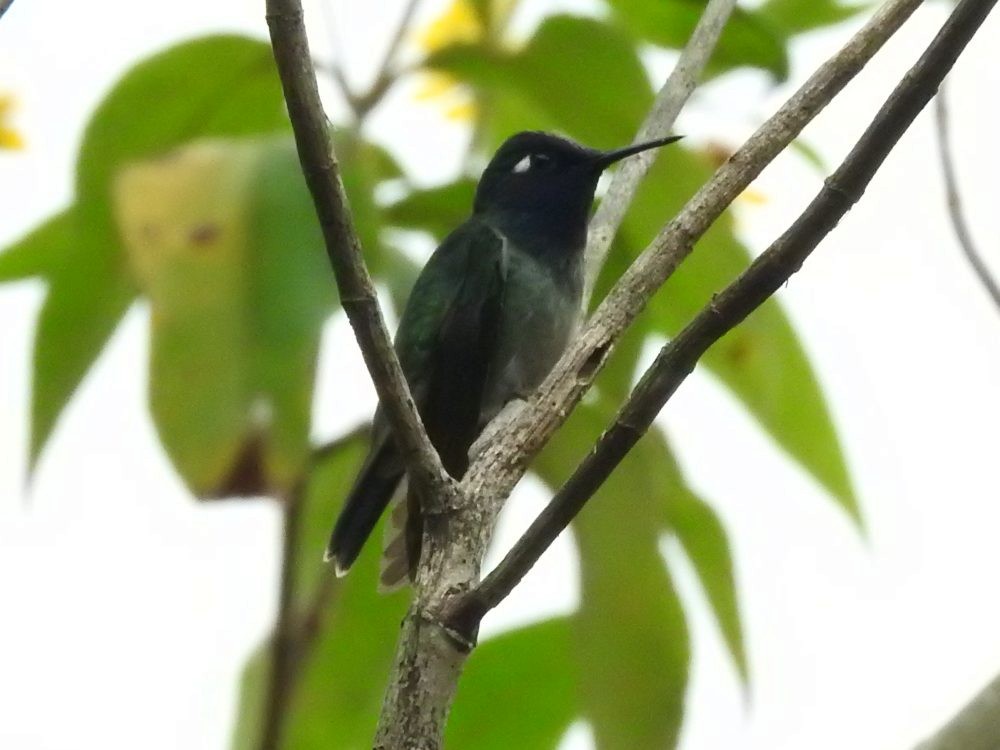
[
  {"x": 9, "y": 138},
  {"x": 459, "y": 24}
]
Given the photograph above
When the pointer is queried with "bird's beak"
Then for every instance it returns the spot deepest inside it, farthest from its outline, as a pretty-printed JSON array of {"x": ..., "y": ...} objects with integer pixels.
[{"x": 606, "y": 158}]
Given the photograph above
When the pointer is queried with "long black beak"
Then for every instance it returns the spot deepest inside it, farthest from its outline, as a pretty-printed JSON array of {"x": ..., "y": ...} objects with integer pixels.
[{"x": 606, "y": 158}]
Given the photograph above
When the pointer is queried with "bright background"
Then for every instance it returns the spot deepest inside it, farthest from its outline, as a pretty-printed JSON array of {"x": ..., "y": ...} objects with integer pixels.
[{"x": 127, "y": 609}]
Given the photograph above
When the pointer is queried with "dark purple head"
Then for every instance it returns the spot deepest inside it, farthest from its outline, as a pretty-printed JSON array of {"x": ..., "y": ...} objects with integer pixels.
[{"x": 545, "y": 183}]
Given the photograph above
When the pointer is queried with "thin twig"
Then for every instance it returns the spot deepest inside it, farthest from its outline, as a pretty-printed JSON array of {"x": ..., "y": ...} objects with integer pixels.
[
  {"x": 658, "y": 123},
  {"x": 357, "y": 293},
  {"x": 386, "y": 75},
  {"x": 503, "y": 463},
  {"x": 284, "y": 643},
  {"x": 726, "y": 310},
  {"x": 955, "y": 210}
]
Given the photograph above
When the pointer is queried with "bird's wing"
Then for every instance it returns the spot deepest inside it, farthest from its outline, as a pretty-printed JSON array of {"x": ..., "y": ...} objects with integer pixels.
[{"x": 446, "y": 338}]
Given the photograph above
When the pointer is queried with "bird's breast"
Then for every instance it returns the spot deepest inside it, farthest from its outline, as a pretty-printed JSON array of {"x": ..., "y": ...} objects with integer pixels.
[{"x": 540, "y": 311}]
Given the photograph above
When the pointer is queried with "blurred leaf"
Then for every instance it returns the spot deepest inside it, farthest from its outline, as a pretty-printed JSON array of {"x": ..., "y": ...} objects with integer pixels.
[
  {"x": 797, "y": 16},
  {"x": 810, "y": 154},
  {"x": 84, "y": 303},
  {"x": 748, "y": 39},
  {"x": 182, "y": 219},
  {"x": 229, "y": 87},
  {"x": 437, "y": 210},
  {"x": 761, "y": 361},
  {"x": 632, "y": 640},
  {"x": 518, "y": 690},
  {"x": 41, "y": 251},
  {"x": 600, "y": 98},
  {"x": 706, "y": 544},
  {"x": 223, "y": 240},
  {"x": 250, "y": 703},
  {"x": 292, "y": 293}
]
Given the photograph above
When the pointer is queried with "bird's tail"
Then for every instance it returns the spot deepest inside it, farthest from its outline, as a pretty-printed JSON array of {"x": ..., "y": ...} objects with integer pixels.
[{"x": 372, "y": 491}]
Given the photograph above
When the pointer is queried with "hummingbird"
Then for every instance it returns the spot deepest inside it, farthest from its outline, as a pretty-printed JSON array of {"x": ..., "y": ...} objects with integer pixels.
[{"x": 489, "y": 315}]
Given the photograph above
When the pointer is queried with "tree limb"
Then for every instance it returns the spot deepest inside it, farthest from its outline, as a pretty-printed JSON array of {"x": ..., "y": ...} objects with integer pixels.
[
  {"x": 955, "y": 211},
  {"x": 357, "y": 293},
  {"x": 498, "y": 469},
  {"x": 433, "y": 644},
  {"x": 729, "y": 308},
  {"x": 658, "y": 123},
  {"x": 5, "y": 6},
  {"x": 975, "y": 727}
]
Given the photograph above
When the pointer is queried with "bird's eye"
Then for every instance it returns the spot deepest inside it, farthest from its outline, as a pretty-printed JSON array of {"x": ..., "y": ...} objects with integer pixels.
[
  {"x": 540, "y": 161},
  {"x": 532, "y": 161}
]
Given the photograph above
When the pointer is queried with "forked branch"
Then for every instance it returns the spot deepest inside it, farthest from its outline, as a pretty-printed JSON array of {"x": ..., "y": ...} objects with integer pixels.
[{"x": 759, "y": 282}]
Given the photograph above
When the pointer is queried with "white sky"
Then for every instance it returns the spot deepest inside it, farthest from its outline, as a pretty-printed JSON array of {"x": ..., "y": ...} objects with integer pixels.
[{"x": 126, "y": 609}]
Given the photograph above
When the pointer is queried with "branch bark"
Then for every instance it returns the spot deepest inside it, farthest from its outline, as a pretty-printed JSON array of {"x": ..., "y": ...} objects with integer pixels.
[
  {"x": 955, "y": 210},
  {"x": 658, "y": 123},
  {"x": 357, "y": 293},
  {"x": 760, "y": 281},
  {"x": 5, "y": 6},
  {"x": 494, "y": 474},
  {"x": 975, "y": 727}
]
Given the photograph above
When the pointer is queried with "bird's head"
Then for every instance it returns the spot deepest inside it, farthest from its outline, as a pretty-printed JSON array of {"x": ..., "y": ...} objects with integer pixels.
[{"x": 545, "y": 184}]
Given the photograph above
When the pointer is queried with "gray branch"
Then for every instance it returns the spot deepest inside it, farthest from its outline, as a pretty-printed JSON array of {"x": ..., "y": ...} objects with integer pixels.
[
  {"x": 357, "y": 293},
  {"x": 658, "y": 123}
]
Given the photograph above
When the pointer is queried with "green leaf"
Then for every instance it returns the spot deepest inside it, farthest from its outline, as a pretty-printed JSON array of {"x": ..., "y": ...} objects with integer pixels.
[
  {"x": 797, "y": 16},
  {"x": 84, "y": 303},
  {"x": 224, "y": 242},
  {"x": 518, "y": 690},
  {"x": 183, "y": 221},
  {"x": 748, "y": 39},
  {"x": 41, "y": 251},
  {"x": 292, "y": 292},
  {"x": 810, "y": 155},
  {"x": 600, "y": 98},
  {"x": 706, "y": 544},
  {"x": 632, "y": 639},
  {"x": 252, "y": 699},
  {"x": 230, "y": 89},
  {"x": 213, "y": 87},
  {"x": 437, "y": 210},
  {"x": 761, "y": 361}
]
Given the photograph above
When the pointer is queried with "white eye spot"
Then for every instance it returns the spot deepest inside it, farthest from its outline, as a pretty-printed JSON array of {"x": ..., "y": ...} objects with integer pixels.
[{"x": 522, "y": 166}]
